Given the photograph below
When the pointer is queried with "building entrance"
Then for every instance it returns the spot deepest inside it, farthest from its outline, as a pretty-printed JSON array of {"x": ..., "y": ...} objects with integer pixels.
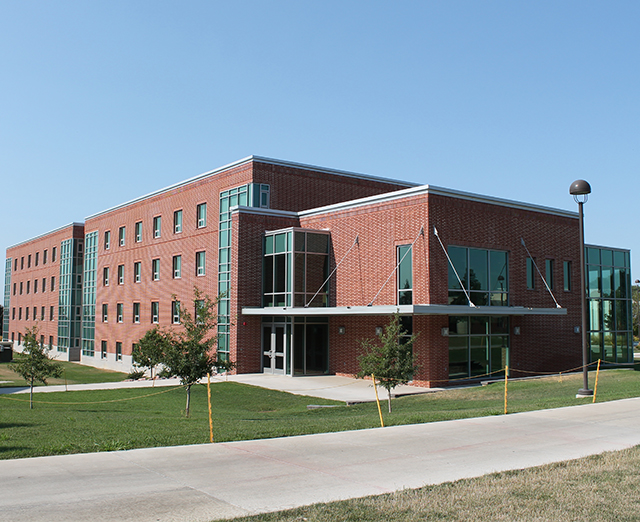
[{"x": 273, "y": 348}]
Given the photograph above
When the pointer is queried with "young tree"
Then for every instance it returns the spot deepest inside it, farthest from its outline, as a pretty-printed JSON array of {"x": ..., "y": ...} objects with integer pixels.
[
  {"x": 389, "y": 357},
  {"x": 191, "y": 351},
  {"x": 150, "y": 349},
  {"x": 34, "y": 365}
]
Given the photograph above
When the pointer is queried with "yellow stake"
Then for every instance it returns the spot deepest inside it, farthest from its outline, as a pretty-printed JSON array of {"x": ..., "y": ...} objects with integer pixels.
[
  {"x": 377, "y": 399},
  {"x": 506, "y": 379},
  {"x": 595, "y": 388},
  {"x": 209, "y": 401}
]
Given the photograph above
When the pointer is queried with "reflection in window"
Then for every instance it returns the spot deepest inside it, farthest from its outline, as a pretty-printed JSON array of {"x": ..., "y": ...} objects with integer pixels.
[{"x": 483, "y": 273}]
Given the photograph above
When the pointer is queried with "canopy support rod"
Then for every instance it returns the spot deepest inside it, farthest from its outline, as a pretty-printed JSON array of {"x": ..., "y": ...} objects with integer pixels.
[
  {"x": 539, "y": 273},
  {"x": 435, "y": 231}
]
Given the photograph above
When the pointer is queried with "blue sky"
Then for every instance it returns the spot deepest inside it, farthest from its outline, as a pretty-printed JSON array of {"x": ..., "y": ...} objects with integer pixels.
[{"x": 101, "y": 102}]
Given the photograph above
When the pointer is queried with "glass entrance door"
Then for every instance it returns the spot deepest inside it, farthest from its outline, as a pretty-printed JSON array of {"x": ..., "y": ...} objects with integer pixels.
[{"x": 273, "y": 345}]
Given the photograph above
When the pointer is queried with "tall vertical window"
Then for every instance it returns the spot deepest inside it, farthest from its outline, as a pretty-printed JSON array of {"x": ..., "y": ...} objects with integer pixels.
[
  {"x": 531, "y": 279},
  {"x": 155, "y": 312},
  {"x": 28, "y": 287},
  {"x": 42, "y": 313},
  {"x": 201, "y": 211},
  {"x": 51, "y": 313},
  {"x": 29, "y": 261},
  {"x": 53, "y": 283},
  {"x": 175, "y": 312},
  {"x": 548, "y": 272},
  {"x": 155, "y": 269},
  {"x": 107, "y": 239},
  {"x": 37, "y": 258},
  {"x": 53, "y": 254},
  {"x": 567, "y": 276},
  {"x": 177, "y": 221},
  {"x": 35, "y": 286},
  {"x": 44, "y": 256},
  {"x": 200, "y": 263},
  {"x": 122, "y": 235},
  {"x": 157, "y": 224},
  {"x": 177, "y": 267},
  {"x": 26, "y": 311},
  {"x": 119, "y": 312},
  {"x": 138, "y": 231},
  {"x": 136, "y": 312},
  {"x": 103, "y": 348},
  {"x": 44, "y": 284},
  {"x": 105, "y": 313},
  {"x": 120, "y": 274},
  {"x": 137, "y": 269},
  {"x": 105, "y": 277},
  {"x": 405, "y": 275},
  {"x": 118, "y": 351}
]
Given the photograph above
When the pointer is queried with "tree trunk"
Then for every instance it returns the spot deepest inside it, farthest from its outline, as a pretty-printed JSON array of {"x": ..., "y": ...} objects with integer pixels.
[
  {"x": 188, "y": 399},
  {"x": 389, "y": 393},
  {"x": 31, "y": 396}
]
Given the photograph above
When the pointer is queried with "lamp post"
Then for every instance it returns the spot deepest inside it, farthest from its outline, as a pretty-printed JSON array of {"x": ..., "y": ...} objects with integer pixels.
[
  {"x": 637, "y": 281},
  {"x": 580, "y": 191}
]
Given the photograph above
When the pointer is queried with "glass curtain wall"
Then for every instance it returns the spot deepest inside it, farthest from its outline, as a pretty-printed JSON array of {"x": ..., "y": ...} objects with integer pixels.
[
  {"x": 609, "y": 304},
  {"x": 89, "y": 293},
  {"x": 70, "y": 297},
  {"x": 7, "y": 299}
]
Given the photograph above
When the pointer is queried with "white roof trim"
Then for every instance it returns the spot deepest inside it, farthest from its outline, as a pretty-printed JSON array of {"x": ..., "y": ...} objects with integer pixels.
[
  {"x": 403, "y": 310},
  {"x": 431, "y": 189},
  {"x": 264, "y": 211},
  {"x": 74, "y": 224}
]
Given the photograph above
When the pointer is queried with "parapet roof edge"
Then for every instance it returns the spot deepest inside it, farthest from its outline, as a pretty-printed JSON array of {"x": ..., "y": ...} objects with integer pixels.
[
  {"x": 257, "y": 159},
  {"x": 264, "y": 211},
  {"x": 73, "y": 224},
  {"x": 441, "y": 191},
  {"x": 590, "y": 245}
]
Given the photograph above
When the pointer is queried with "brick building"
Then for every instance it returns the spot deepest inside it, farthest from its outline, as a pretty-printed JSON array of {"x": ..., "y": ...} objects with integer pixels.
[{"x": 312, "y": 260}]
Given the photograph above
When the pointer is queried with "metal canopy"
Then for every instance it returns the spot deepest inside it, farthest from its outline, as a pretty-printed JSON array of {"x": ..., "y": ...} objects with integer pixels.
[{"x": 404, "y": 310}]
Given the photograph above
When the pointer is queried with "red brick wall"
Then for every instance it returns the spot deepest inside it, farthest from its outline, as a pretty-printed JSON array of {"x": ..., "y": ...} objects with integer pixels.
[{"x": 34, "y": 273}]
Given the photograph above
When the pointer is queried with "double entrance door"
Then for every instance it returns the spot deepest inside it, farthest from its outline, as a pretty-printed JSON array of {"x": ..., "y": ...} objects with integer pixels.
[{"x": 299, "y": 349}]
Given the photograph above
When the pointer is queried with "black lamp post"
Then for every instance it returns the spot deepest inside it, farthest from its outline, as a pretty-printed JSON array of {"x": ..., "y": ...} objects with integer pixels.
[
  {"x": 637, "y": 281},
  {"x": 580, "y": 191}
]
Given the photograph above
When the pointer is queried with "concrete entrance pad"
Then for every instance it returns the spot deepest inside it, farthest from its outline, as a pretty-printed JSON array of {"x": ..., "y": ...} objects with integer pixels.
[{"x": 333, "y": 387}]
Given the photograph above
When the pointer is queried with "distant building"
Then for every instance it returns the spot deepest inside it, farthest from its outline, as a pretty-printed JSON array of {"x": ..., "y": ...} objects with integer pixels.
[{"x": 312, "y": 260}]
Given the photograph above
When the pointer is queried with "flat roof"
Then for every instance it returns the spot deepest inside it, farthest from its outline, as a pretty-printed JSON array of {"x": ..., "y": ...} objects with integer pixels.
[
  {"x": 256, "y": 159},
  {"x": 74, "y": 224}
]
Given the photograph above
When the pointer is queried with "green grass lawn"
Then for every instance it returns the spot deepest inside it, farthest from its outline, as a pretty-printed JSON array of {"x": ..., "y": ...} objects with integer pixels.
[
  {"x": 600, "y": 488},
  {"x": 102, "y": 420},
  {"x": 73, "y": 373}
]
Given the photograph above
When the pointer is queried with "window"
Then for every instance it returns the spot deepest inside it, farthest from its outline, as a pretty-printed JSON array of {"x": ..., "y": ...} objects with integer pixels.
[
  {"x": 155, "y": 269},
  {"x": 26, "y": 313},
  {"x": 105, "y": 313},
  {"x": 531, "y": 280},
  {"x": 29, "y": 261},
  {"x": 44, "y": 256},
  {"x": 107, "y": 239},
  {"x": 103, "y": 349},
  {"x": 175, "y": 312},
  {"x": 53, "y": 254},
  {"x": 35, "y": 286},
  {"x": 105, "y": 276},
  {"x": 20, "y": 314},
  {"x": 44, "y": 284},
  {"x": 13, "y": 314},
  {"x": 121, "y": 235},
  {"x": 120, "y": 274},
  {"x": 37, "y": 258},
  {"x": 201, "y": 211},
  {"x": 118, "y": 351},
  {"x": 21, "y": 287},
  {"x": 483, "y": 274},
  {"x": 51, "y": 313},
  {"x": 15, "y": 264},
  {"x": 136, "y": 313},
  {"x": 548, "y": 266},
  {"x": 53, "y": 283},
  {"x": 137, "y": 268},
  {"x": 567, "y": 276},
  {"x": 200, "y": 263},
  {"x": 157, "y": 222},
  {"x": 28, "y": 287},
  {"x": 22, "y": 263},
  {"x": 42, "y": 313},
  {"x": 119, "y": 312},
  {"x": 177, "y": 221},
  {"x": 405, "y": 276},
  {"x": 50, "y": 342},
  {"x": 14, "y": 288},
  {"x": 155, "y": 312},
  {"x": 138, "y": 232},
  {"x": 177, "y": 267}
]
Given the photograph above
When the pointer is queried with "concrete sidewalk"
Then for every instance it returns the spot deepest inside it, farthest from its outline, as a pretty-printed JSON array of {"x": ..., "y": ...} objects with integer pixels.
[{"x": 206, "y": 482}]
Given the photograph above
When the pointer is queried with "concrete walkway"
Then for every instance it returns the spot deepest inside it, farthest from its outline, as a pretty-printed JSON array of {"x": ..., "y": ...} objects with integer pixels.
[
  {"x": 331, "y": 387},
  {"x": 207, "y": 482}
]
